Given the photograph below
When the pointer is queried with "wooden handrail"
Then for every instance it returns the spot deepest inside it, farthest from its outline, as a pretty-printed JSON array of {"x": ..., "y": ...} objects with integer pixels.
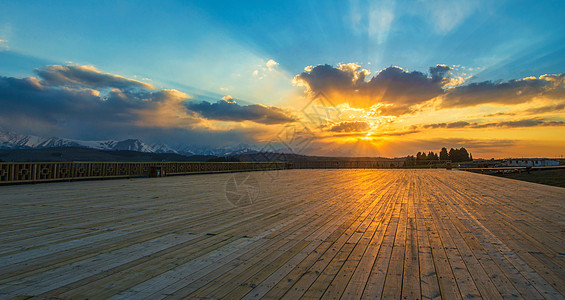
[{"x": 30, "y": 172}]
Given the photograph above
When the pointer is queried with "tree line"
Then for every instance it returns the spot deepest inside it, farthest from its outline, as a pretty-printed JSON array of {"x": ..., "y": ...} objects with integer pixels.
[{"x": 454, "y": 154}]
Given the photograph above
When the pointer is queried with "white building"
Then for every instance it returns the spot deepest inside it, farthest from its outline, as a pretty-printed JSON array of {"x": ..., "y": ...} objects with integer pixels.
[{"x": 530, "y": 162}]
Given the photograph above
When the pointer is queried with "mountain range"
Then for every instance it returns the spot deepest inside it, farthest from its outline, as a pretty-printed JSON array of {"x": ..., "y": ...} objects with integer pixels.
[{"x": 11, "y": 140}]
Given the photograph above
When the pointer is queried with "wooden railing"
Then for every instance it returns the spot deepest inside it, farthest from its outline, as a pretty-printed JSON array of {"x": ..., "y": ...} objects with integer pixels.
[
  {"x": 32, "y": 172},
  {"x": 60, "y": 171}
]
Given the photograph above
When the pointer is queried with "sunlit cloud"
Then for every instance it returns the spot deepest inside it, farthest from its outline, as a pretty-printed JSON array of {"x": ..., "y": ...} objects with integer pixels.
[
  {"x": 269, "y": 67},
  {"x": 228, "y": 98},
  {"x": 89, "y": 76},
  {"x": 506, "y": 93},
  {"x": 350, "y": 126},
  {"x": 500, "y": 124},
  {"x": 557, "y": 108},
  {"x": 395, "y": 89},
  {"x": 271, "y": 64},
  {"x": 74, "y": 101}
]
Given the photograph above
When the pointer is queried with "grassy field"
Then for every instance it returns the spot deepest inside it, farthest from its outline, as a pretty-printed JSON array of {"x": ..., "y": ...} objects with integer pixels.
[{"x": 549, "y": 177}]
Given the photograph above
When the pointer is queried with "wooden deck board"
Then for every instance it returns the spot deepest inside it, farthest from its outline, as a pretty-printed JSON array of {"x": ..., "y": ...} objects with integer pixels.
[{"x": 350, "y": 234}]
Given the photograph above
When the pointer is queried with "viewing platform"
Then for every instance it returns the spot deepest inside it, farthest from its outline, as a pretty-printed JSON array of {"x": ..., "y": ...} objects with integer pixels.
[{"x": 291, "y": 233}]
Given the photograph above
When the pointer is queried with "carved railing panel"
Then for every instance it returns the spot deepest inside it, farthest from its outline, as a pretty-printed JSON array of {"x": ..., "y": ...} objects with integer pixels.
[
  {"x": 5, "y": 172},
  {"x": 53, "y": 171}
]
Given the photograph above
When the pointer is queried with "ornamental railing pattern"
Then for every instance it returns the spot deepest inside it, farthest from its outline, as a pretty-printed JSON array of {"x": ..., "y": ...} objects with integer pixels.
[
  {"x": 61, "y": 171},
  {"x": 31, "y": 172}
]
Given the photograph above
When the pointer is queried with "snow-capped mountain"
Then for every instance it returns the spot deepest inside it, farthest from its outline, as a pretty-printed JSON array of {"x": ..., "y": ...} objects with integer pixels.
[
  {"x": 162, "y": 148},
  {"x": 216, "y": 151},
  {"x": 129, "y": 144},
  {"x": 10, "y": 140}
]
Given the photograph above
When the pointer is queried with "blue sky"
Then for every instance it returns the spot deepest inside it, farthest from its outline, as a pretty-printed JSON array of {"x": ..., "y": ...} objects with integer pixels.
[
  {"x": 212, "y": 49},
  {"x": 168, "y": 39}
]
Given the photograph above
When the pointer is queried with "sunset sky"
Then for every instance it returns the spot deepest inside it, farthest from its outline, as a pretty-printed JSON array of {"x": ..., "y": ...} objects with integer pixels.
[{"x": 340, "y": 78}]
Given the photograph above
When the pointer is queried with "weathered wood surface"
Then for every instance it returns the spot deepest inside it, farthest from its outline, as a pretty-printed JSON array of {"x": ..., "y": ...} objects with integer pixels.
[{"x": 413, "y": 234}]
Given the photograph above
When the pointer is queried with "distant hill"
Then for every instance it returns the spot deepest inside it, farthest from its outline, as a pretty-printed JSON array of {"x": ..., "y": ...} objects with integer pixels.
[
  {"x": 65, "y": 154},
  {"x": 269, "y": 156}
]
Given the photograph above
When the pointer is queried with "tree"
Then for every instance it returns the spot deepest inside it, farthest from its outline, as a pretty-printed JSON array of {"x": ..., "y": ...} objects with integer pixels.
[
  {"x": 455, "y": 155},
  {"x": 464, "y": 154},
  {"x": 410, "y": 161},
  {"x": 443, "y": 155},
  {"x": 458, "y": 155}
]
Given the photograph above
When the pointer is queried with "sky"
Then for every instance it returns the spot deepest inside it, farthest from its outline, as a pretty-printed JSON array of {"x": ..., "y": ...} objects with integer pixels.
[{"x": 336, "y": 78}]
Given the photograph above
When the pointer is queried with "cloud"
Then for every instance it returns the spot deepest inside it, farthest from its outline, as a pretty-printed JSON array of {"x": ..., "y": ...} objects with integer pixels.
[
  {"x": 397, "y": 90},
  {"x": 231, "y": 111},
  {"x": 228, "y": 98},
  {"x": 505, "y": 93},
  {"x": 397, "y": 133},
  {"x": 546, "y": 109},
  {"x": 521, "y": 123},
  {"x": 500, "y": 124},
  {"x": 82, "y": 98},
  {"x": 29, "y": 105},
  {"x": 394, "y": 91},
  {"x": 86, "y": 76},
  {"x": 500, "y": 114},
  {"x": 271, "y": 64},
  {"x": 459, "y": 124},
  {"x": 81, "y": 102},
  {"x": 350, "y": 126}
]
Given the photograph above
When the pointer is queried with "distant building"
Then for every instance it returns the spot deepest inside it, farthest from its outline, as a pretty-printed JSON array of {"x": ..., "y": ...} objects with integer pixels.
[{"x": 530, "y": 162}]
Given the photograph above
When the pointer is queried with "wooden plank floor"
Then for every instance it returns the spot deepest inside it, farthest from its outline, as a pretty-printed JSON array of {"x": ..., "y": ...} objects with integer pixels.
[{"x": 411, "y": 234}]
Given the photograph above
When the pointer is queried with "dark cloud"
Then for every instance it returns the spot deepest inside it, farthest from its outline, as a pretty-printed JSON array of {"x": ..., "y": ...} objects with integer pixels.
[
  {"x": 440, "y": 73},
  {"x": 29, "y": 106},
  {"x": 505, "y": 93},
  {"x": 521, "y": 123},
  {"x": 500, "y": 114},
  {"x": 231, "y": 111},
  {"x": 546, "y": 109},
  {"x": 353, "y": 126},
  {"x": 398, "y": 89},
  {"x": 501, "y": 124},
  {"x": 83, "y": 103},
  {"x": 401, "y": 92},
  {"x": 86, "y": 76},
  {"x": 459, "y": 124}
]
